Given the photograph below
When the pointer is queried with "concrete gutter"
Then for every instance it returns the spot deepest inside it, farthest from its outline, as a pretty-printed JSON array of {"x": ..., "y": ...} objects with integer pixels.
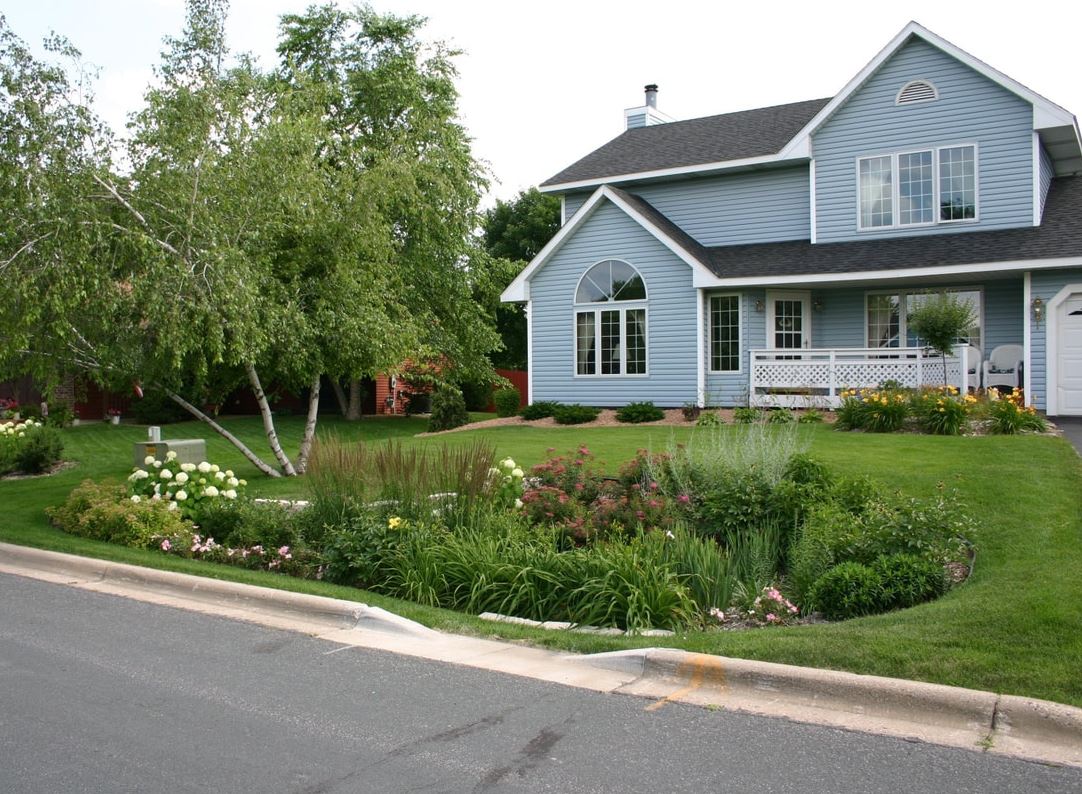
[{"x": 999, "y": 724}]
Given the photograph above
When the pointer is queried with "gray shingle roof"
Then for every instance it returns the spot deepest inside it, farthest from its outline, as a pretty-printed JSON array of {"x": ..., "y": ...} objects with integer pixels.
[
  {"x": 1059, "y": 235},
  {"x": 713, "y": 139}
]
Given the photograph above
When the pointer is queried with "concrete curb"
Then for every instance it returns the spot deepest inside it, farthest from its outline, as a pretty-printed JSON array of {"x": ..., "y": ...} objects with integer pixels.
[
  {"x": 290, "y": 607},
  {"x": 1001, "y": 724}
]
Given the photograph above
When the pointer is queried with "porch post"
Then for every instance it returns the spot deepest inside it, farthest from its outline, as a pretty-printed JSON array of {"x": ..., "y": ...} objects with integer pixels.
[
  {"x": 1027, "y": 340},
  {"x": 962, "y": 352},
  {"x": 832, "y": 388},
  {"x": 700, "y": 351}
]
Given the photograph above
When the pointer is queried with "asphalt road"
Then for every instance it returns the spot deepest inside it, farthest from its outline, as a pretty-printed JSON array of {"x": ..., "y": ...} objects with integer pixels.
[{"x": 103, "y": 694}]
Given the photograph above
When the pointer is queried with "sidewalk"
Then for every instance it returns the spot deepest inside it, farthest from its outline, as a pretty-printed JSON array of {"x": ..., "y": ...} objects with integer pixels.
[{"x": 965, "y": 718}]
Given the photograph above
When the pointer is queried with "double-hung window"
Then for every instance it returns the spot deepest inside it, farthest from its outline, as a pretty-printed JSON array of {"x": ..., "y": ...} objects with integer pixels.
[
  {"x": 917, "y": 188},
  {"x": 610, "y": 321}
]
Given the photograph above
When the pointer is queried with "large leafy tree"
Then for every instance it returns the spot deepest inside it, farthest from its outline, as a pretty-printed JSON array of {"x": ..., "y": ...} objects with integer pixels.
[
  {"x": 514, "y": 232},
  {"x": 396, "y": 151},
  {"x": 254, "y": 236}
]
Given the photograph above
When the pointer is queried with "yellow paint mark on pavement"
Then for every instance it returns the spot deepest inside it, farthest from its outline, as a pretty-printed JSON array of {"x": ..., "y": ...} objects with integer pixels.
[{"x": 703, "y": 670}]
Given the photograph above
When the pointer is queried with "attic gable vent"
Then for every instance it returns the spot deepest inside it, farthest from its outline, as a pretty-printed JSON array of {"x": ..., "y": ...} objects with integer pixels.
[{"x": 916, "y": 91}]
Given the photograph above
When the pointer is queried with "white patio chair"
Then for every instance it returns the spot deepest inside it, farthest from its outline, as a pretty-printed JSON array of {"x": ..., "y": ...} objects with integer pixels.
[
  {"x": 1003, "y": 367},
  {"x": 974, "y": 366}
]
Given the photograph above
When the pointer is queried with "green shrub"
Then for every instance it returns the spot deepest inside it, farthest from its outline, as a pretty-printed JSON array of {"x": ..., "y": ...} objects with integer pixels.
[
  {"x": 885, "y": 411},
  {"x": 241, "y": 522},
  {"x": 709, "y": 419},
  {"x": 733, "y": 501},
  {"x": 850, "y": 413},
  {"x": 61, "y": 414},
  {"x": 477, "y": 394},
  {"x": 936, "y": 529},
  {"x": 575, "y": 414},
  {"x": 781, "y": 416},
  {"x": 747, "y": 416},
  {"x": 908, "y": 580},
  {"x": 448, "y": 409},
  {"x": 823, "y": 540},
  {"x": 507, "y": 401},
  {"x": 811, "y": 416},
  {"x": 155, "y": 408},
  {"x": 848, "y": 590},
  {"x": 37, "y": 451},
  {"x": 106, "y": 512},
  {"x": 539, "y": 410},
  {"x": 690, "y": 411},
  {"x": 634, "y": 413},
  {"x": 854, "y": 494}
]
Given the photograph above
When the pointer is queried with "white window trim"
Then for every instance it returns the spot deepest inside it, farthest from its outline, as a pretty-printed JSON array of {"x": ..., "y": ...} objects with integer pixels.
[
  {"x": 895, "y": 197},
  {"x": 597, "y": 308},
  {"x": 903, "y": 330},
  {"x": 805, "y": 297},
  {"x": 612, "y": 306},
  {"x": 709, "y": 336}
]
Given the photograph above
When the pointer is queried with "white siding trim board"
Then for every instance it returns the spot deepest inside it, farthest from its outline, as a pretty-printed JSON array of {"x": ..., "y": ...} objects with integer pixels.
[
  {"x": 888, "y": 275},
  {"x": 1027, "y": 337}
]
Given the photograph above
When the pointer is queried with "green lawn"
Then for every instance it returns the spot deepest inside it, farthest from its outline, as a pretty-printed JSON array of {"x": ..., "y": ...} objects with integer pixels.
[{"x": 1015, "y": 627}]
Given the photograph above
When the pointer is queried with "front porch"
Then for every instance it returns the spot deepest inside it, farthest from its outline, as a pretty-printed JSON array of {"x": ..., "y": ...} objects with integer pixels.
[{"x": 785, "y": 378}]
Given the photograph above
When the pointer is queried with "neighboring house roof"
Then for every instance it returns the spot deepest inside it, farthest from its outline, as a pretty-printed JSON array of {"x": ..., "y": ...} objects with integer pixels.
[
  {"x": 696, "y": 142},
  {"x": 1058, "y": 237}
]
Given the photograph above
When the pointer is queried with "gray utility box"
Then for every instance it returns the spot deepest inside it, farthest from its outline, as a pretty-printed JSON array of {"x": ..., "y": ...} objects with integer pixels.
[{"x": 189, "y": 450}]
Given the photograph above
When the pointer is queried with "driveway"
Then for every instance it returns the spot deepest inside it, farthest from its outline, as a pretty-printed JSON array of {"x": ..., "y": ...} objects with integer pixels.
[{"x": 1072, "y": 430}]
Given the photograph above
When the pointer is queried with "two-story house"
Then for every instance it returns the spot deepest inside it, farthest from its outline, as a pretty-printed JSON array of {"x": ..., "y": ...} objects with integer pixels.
[{"x": 773, "y": 255}]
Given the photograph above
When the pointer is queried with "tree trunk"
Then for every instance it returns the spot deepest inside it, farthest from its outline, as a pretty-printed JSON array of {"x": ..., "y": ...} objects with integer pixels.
[
  {"x": 340, "y": 395},
  {"x": 232, "y": 439},
  {"x": 309, "y": 427},
  {"x": 353, "y": 413},
  {"x": 268, "y": 422}
]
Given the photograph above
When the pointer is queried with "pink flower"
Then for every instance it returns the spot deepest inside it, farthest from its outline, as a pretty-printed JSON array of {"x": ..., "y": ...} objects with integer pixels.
[
  {"x": 683, "y": 498},
  {"x": 653, "y": 486},
  {"x": 583, "y": 450},
  {"x": 166, "y": 545},
  {"x": 771, "y": 617},
  {"x": 283, "y": 551}
]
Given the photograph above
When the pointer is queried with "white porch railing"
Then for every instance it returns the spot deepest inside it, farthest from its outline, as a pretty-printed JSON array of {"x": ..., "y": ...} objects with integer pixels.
[{"x": 802, "y": 378}]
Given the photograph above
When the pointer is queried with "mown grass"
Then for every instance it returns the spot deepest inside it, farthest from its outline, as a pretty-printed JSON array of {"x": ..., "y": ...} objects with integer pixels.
[{"x": 1015, "y": 627}]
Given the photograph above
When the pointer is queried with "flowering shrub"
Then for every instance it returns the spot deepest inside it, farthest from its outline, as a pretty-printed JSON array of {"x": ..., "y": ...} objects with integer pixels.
[
  {"x": 1010, "y": 414},
  {"x": 771, "y": 608},
  {"x": 8, "y": 408},
  {"x": 28, "y": 446},
  {"x": 185, "y": 487},
  {"x": 880, "y": 411},
  {"x": 943, "y": 411},
  {"x": 283, "y": 559},
  {"x": 505, "y": 482}
]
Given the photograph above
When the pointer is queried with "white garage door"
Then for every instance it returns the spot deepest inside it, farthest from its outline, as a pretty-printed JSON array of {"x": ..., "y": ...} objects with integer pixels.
[{"x": 1069, "y": 355}]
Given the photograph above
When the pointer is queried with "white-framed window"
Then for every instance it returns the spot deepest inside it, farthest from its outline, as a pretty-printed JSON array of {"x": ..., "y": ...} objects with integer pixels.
[
  {"x": 610, "y": 320},
  {"x": 886, "y": 325},
  {"x": 724, "y": 333},
  {"x": 917, "y": 188}
]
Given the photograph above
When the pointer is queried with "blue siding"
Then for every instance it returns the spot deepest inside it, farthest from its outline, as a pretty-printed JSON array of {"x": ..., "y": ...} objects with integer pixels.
[
  {"x": 572, "y": 202},
  {"x": 751, "y": 207},
  {"x": 1045, "y": 284},
  {"x": 1047, "y": 172},
  {"x": 971, "y": 108},
  {"x": 731, "y": 388},
  {"x": 671, "y": 349}
]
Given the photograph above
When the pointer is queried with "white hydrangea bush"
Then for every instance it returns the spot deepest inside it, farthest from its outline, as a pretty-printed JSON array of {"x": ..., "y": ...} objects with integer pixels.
[{"x": 183, "y": 486}]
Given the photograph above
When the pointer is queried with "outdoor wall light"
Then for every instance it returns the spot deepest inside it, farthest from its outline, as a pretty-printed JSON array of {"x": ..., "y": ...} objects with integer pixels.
[
  {"x": 817, "y": 304},
  {"x": 759, "y": 306},
  {"x": 1038, "y": 310}
]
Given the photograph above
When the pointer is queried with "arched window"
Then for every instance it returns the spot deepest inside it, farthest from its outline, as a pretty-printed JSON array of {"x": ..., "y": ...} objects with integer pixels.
[{"x": 610, "y": 339}]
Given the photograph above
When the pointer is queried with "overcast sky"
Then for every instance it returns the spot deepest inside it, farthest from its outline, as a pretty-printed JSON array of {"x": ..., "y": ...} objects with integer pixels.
[{"x": 543, "y": 83}]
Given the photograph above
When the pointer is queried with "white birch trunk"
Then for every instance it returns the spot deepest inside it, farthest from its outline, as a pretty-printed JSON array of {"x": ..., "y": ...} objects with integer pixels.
[
  {"x": 258, "y": 462},
  {"x": 309, "y": 427},
  {"x": 268, "y": 422}
]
